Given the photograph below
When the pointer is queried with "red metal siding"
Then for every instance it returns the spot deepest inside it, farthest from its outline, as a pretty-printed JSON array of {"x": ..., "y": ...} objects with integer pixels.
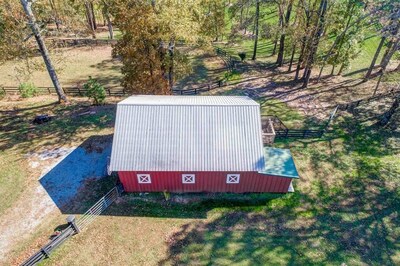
[{"x": 205, "y": 182}]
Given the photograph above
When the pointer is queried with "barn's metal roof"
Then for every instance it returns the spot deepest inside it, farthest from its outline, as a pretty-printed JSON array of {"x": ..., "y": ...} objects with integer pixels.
[
  {"x": 279, "y": 162},
  {"x": 187, "y": 133},
  {"x": 188, "y": 100}
]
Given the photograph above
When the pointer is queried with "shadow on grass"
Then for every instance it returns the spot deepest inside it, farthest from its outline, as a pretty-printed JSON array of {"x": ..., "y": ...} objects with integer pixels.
[
  {"x": 348, "y": 215},
  {"x": 18, "y": 131}
]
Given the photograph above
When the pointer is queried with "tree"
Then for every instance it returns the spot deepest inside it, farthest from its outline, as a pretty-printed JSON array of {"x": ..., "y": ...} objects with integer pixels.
[
  {"x": 106, "y": 14},
  {"x": 256, "y": 29},
  {"x": 388, "y": 14},
  {"x": 315, "y": 41},
  {"x": 91, "y": 20},
  {"x": 285, "y": 22},
  {"x": 151, "y": 62},
  {"x": 27, "y": 5}
]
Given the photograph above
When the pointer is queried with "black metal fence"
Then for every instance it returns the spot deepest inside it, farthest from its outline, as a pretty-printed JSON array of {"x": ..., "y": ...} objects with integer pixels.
[{"x": 75, "y": 226}]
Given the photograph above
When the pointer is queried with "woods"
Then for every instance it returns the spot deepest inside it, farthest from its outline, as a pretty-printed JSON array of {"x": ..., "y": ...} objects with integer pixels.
[{"x": 317, "y": 38}]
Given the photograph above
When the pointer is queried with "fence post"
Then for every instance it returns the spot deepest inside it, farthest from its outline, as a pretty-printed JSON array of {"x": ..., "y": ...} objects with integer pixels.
[
  {"x": 109, "y": 92},
  {"x": 195, "y": 90},
  {"x": 72, "y": 222},
  {"x": 287, "y": 132}
]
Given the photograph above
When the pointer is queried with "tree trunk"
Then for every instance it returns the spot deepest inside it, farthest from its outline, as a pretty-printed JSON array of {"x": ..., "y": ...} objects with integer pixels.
[
  {"x": 280, "y": 58},
  {"x": 55, "y": 14},
  {"x": 241, "y": 16},
  {"x": 341, "y": 70},
  {"x": 171, "y": 65},
  {"x": 256, "y": 28},
  {"x": 303, "y": 45},
  {"x": 93, "y": 15},
  {"x": 389, "y": 55},
  {"x": 27, "y": 5},
  {"x": 378, "y": 50},
  {"x": 107, "y": 17},
  {"x": 90, "y": 19},
  {"x": 247, "y": 14},
  {"x": 381, "y": 72},
  {"x": 388, "y": 47},
  {"x": 315, "y": 41},
  {"x": 292, "y": 57},
  {"x": 333, "y": 70},
  {"x": 320, "y": 72}
]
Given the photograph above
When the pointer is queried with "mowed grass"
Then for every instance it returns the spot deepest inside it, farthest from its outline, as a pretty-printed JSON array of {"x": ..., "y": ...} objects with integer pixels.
[
  {"x": 73, "y": 65},
  {"x": 20, "y": 137},
  {"x": 344, "y": 210}
]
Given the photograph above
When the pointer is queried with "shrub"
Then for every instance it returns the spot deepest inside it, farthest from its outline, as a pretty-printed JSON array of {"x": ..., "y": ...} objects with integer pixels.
[
  {"x": 95, "y": 91},
  {"x": 2, "y": 94},
  {"x": 27, "y": 90}
]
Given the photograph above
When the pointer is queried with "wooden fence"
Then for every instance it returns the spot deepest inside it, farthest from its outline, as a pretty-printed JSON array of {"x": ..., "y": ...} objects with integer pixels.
[
  {"x": 75, "y": 226},
  {"x": 352, "y": 105},
  {"x": 116, "y": 91},
  {"x": 69, "y": 42},
  {"x": 230, "y": 61},
  {"x": 73, "y": 91}
]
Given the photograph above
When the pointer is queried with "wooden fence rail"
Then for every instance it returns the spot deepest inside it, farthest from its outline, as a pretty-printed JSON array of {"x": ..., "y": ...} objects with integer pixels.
[
  {"x": 75, "y": 226},
  {"x": 113, "y": 91}
]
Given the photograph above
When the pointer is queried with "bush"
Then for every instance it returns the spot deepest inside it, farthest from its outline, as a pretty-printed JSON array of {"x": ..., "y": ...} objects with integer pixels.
[
  {"x": 2, "y": 94},
  {"x": 95, "y": 91},
  {"x": 28, "y": 90}
]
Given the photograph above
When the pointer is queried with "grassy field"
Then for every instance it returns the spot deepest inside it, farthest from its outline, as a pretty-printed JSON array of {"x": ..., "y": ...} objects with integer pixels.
[
  {"x": 344, "y": 210},
  {"x": 74, "y": 65},
  {"x": 345, "y": 205}
]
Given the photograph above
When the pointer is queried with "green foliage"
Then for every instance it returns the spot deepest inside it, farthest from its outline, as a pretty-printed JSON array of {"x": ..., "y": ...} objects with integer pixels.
[
  {"x": 28, "y": 90},
  {"x": 151, "y": 61},
  {"x": 95, "y": 91}
]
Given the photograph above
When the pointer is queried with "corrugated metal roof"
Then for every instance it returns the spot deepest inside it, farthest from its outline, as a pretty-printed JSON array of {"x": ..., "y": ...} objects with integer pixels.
[
  {"x": 187, "y": 100},
  {"x": 187, "y": 133},
  {"x": 279, "y": 162}
]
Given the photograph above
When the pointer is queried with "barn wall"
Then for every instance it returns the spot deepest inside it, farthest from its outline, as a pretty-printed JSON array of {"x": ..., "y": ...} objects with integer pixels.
[{"x": 205, "y": 182}]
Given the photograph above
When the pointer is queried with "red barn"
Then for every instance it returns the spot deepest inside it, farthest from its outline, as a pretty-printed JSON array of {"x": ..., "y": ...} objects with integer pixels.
[{"x": 196, "y": 144}]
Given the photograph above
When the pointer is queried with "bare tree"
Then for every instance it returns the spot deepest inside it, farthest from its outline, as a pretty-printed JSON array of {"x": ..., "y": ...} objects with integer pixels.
[{"x": 27, "y": 5}]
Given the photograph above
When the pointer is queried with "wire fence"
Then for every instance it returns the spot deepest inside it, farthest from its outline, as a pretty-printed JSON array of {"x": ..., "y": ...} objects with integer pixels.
[{"x": 75, "y": 226}]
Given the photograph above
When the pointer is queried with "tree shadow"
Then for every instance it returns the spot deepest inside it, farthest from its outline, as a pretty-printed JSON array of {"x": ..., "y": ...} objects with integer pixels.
[
  {"x": 348, "y": 214},
  {"x": 17, "y": 129}
]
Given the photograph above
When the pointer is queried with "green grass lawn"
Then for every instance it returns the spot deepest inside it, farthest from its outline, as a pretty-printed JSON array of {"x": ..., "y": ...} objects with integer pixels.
[{"x": 344, "y": 210}]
